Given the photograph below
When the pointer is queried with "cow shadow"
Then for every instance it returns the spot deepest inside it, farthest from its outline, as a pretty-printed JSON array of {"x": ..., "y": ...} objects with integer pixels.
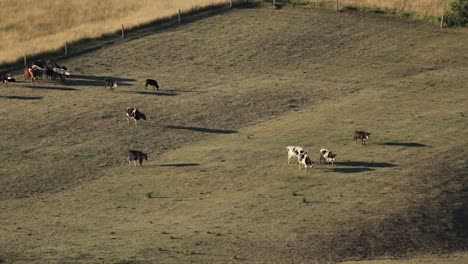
[
  {"x": 151, "y": 93},
  {"x": 42, "y": 87},
  {"x": 404, "y": 144},
  {"x": 366, "y": 164},
  {"x": 180, "y": 165},
  {"x": 15, "y": 97},
  {"x": 203, "y": 130},
  {"x": 95, "y": 83},
  {"x": 101, "y": 78},
  {"x": 352, "y": 170}
]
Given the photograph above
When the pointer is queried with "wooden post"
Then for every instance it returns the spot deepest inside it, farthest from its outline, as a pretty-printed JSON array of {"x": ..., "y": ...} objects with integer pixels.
[
  {"x": 274, "y": 2},
  {"x": 66, "y": 48},
  {"x": 24, "y": 60},
  {"x": 230, "y": 3},
  {"x": 442, "y": 22},
  {"x": 337, "y": 5},
  {"x": 123, "y": 32},
  {"x": 179, "y": 17}
]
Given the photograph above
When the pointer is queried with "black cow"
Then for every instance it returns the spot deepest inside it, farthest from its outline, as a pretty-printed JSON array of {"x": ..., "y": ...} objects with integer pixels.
[
  {"x": 153, "y": 83},
  {"x": 133, "y": 113},
  {"x": 134, "y": 155},
  {"x": 111, "y": 83}
]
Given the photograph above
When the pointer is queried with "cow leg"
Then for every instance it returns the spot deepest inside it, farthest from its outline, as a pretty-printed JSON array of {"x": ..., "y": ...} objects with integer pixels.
[
  {"x": 129, "y": 163},
  {"x": 141, "y": 162}
]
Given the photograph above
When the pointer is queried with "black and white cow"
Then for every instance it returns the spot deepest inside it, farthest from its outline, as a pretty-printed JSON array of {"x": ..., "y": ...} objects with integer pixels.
[
  {"x": 294, "y": 151},
  {"x": 305, "y": 161},
  {"x": 110, "y": 83},
  {"x": 362, "y": 135},
  {"x": 153, "y": 83},
  {"x": 7, "y": 78},
  {"x": 327, "y": 156},
  {"x": 133, "y": 113},
  {"x": 136, "y": 155}
]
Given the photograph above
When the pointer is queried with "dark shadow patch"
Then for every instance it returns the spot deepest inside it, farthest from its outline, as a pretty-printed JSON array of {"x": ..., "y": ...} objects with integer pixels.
[
  {"x": 404, "y": 144},
  {"x": 156, "y": 93},
  {"x": 101, "y": 78},
  {"x": 96, "y": 82},
  {"x": 366, "y": 164},
  {"x": 16, "y": 97},
  {"x": 180, "y": 165},
  {"x": 42, "y": 87},
  {"x": 351, "y": 170},
  {"x": 204, "y": 130}
]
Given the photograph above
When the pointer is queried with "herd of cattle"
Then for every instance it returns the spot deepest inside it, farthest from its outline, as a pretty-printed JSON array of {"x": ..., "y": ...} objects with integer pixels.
[
  {"x": 54, "y": 71},
  {"x": 326, "y": 155}
]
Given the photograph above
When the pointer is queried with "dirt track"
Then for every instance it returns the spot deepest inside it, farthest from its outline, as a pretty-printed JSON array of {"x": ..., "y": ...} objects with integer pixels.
[{"x": 218, "y": 76}]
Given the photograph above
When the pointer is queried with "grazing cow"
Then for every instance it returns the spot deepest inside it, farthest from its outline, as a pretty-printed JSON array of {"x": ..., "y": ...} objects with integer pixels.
[
  {"x": 153, "y": 83},
  {"x": 111, "y": 83},
  {"x": 362, "y": 135},
  {"x": 39, "y": 70},
  {"x": 7, "y": 78},
  {"x": 134, "y": 155},
  {"x": 30, "y": 74},
  {"x": 304, "y": 161},
  {"x": 327, "y": 156},
  {"x": 133, "y": 113},
  {"x": 294, "y": 151}
]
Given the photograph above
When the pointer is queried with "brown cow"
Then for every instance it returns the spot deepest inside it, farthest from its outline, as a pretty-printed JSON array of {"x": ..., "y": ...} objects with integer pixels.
[
  {"x": 362, "y": 135},
  {"x": 30, "y": 74}
]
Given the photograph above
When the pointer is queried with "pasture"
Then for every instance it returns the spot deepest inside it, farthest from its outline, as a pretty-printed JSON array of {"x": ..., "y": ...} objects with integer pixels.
[{"x": 235, "y": 90}]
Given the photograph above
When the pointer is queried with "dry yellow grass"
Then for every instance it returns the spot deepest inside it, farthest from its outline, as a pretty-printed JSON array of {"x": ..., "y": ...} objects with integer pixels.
[
  {"x": 423, "y": 7},
  {"x": 48, "y": 24}
]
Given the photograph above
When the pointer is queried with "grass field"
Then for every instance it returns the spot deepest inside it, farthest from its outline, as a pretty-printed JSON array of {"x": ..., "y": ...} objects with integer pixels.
[
  {"x": 435, "y": 8},
  {"x": 47, "y": 26},
  {"x": 217, "y": 187}
]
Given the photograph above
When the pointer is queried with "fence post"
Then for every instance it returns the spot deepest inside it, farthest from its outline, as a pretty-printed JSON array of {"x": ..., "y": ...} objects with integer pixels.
[
  {"x": 337, "y": 5},
  {"x": 123, "y": 32},
  {"x": 442, "y": 22},
  {"x": 230, "y": 3},
  {"x": 179, "y": 16},
  {"x": 274, "y": 2},
  {"x": 24, "y": 60},
  {"x": 66, "y": 48}
]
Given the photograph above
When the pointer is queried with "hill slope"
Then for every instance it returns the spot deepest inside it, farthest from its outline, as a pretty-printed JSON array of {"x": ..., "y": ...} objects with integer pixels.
[{"x": 217, "y": 187}]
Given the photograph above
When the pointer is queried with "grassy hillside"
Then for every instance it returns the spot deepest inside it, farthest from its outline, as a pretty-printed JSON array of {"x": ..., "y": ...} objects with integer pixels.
[
  {"x": 217, "y": 187},
  {"x": 30, "y": 27},
  {"x": 422, "y": 7}
]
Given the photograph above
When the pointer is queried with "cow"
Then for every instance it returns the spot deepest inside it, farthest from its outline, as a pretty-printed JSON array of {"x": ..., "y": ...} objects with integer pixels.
[
  {"x": 111, "y": 83},
  {"x": 61, "y": 70},
  {"x": 362, "y": 135},
  {"x": 39, "y": 64},
  {"x": 30, "y": 74},
  {"x": 294, "y": 151},
  {"x": 133, "y": 113},
  {"x": 327, "y": 156},
  {"x": 39, "y": 70},
  {"x": 7, "y": 78},
  {"x": 136, "y": 155},
  {"x": 305, "y": 161},
  {"x": 153, "y": 83}
]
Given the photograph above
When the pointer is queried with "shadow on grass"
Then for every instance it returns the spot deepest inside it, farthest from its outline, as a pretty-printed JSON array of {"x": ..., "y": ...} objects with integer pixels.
[
  {"x": 42, "y": 87},
  {"x": 150, "y": 93},
  {"x": 404, "y": 144},
  {"x": 351, "y": 170},
  {"x": 101, "y": 78},
  {"x": 96, "y": 82},
  {"x": 204, "y": 130},
  {"x": 15, "y": 97},
  {"x": 365, "y": 164},
  {"x": 180, "y": 165}
]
